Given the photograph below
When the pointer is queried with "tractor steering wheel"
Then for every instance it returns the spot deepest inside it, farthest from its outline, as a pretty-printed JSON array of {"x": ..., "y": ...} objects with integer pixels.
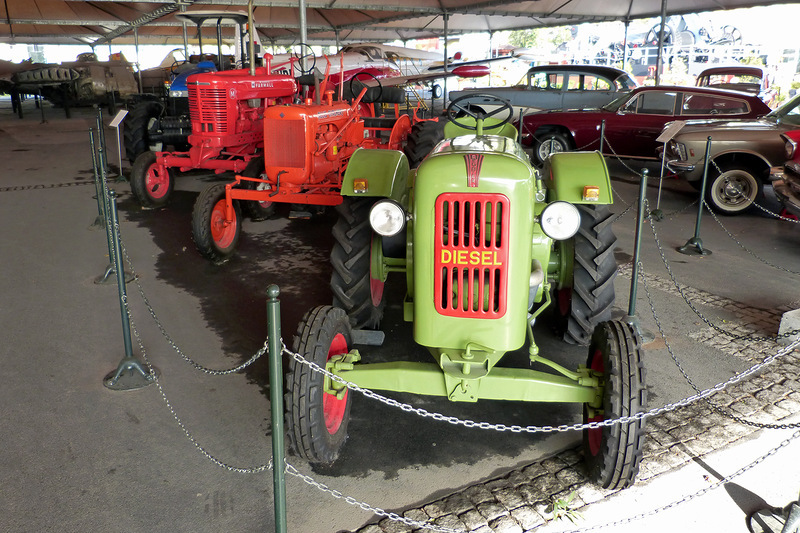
[
  {"x": 355, "y": 91},
  {"x": 302, "y": 57},
  {"x": 458, "y": 108}
]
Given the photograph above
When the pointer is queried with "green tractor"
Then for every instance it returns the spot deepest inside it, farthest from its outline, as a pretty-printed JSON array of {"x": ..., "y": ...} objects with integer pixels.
[{"x": 486, "y": 243}]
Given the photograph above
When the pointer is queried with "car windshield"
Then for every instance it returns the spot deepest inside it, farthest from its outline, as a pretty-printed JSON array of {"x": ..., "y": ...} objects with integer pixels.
[
  {"x": 788, "y": 113},
  {"x": 615, "y": 104}
]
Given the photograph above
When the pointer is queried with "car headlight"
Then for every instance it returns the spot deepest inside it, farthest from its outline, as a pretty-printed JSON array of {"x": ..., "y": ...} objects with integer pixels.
[
  {"x": 387, "y": 218},
  {"x": 560, "y": 220},
  {"x": 791, "y": 146}
]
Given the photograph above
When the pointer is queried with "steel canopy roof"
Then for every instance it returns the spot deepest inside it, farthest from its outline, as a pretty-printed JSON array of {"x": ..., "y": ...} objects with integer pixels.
[{"x": 327, "y": 21}]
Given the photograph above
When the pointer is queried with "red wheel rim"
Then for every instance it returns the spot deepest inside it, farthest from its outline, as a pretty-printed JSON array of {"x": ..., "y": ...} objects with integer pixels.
[
  {"x": 222, "y": 231},
  {"x": 156, "y": 182},
  {"x": 332, "y": 407},
  {"x": 564, "y": 297},
  {"x": 595, "y": 435}
]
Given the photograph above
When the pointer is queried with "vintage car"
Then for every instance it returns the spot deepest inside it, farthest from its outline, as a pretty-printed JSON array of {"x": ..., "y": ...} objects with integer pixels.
[
  {"x": 751, "y": 79},
  {"x": 632, "y": 121},
  {"x": 741, "y": 154},
  {"x": 786, "y": 178},
  {"x": 558, "y": 87}
]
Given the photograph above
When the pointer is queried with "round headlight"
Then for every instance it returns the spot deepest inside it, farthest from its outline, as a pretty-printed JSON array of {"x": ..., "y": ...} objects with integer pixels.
[
  {"x": 387, "y": 218},
  {"x": 560, "y": 220}
]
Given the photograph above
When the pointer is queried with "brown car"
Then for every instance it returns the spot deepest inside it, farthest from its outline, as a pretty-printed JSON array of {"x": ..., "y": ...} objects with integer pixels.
[{"x": 742, "y": 153}]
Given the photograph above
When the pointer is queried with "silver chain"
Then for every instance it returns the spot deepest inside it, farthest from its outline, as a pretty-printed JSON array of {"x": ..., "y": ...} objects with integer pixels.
[
  {"x": 695, "y": 495},
  {"x": 543, "y": 429},
  {"x": 697, "y": 311},
  {"x": 172, "y": 343},
  {"x": 366, "y": 507}
]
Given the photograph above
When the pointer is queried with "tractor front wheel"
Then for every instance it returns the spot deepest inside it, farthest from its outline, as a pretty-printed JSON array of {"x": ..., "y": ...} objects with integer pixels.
[
  {"x": 252, "y": 209},
  {"x": 613, "y": 453},
  {"x": 354, "y": 288},
  {"x": 587, "y": 300},
  {"x": 316, "y": 421},
  {"x": 151, "y": 184},
  {"x": 215, "y": 236}
]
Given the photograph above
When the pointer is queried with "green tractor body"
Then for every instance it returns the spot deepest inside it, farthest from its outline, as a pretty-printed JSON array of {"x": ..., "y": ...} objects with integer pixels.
[{"x": 477, "y": 231}]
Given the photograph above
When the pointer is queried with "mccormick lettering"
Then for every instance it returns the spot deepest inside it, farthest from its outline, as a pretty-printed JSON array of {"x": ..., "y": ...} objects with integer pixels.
[
  {"x": 260, "y": 84},
  {"x": 484, "y": 258}
]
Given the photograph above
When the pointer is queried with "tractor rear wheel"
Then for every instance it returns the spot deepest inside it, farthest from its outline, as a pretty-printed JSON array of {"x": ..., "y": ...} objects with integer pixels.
[
  {"x": 215, "y": 237},
  {"x": 354, "y": 288},
  {"x": 613, "y": 453},
  {"x": 316, "y": 421},
  {"x": 150, "y": 186},
  {"x": 250, "y": 208},
  {"x": 137, "y": 127},
  {"x": 587, "y": 301},
  {"x": 421, "y": 140}
]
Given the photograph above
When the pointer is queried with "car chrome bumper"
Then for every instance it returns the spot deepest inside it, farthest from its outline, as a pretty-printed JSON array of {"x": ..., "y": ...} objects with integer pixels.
[
  {"x": 777, "y": 173},
  {"x": 679, "y": 167},
  {"x": 788, "y": 193}
]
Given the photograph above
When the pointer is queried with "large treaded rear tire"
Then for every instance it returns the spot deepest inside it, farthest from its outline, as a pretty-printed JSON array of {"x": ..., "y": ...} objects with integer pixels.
[
  {"x": 135, "y": 128},
  {"x": 422, "y": 138},
  {"x": 594, "y": 269},
  {"x": 353, "y": 288},
  {"x": 613, "y": 453},
  {"x": 316, "y": 422}
]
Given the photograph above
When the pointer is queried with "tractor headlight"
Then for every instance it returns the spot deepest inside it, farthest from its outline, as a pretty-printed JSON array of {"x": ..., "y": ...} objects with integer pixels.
[
  {"x": 387, "y": 218},
  {"x": 560, "y": 220}
]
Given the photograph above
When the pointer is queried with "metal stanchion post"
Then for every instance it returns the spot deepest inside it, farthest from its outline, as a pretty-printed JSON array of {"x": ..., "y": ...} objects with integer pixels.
[
  {"x": 602, "y": 134},
  {"x": 110, "y": 269},
  {"x": 637, "y": 244},
  {"x": 276, "y": 407},
  {"x": 100, "y": 221},
  {"x": 695, "y": 244},
  {"x": 135, "y": 374}
]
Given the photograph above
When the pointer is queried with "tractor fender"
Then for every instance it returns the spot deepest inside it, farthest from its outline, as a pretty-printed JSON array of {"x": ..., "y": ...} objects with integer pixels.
[
  {"x": 567, "y": 173},
  {"x": 386, "y": 172}
]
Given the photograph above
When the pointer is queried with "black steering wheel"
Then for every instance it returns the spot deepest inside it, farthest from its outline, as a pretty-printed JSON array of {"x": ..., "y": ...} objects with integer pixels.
[
  {"x": 356, "y": 90},
  {"x": 458, "y": 108},
  {"x": 303, "y": 56}
]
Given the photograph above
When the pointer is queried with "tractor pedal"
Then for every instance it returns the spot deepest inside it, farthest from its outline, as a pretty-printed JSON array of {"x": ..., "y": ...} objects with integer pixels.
[{"x": 368, "y": 337}]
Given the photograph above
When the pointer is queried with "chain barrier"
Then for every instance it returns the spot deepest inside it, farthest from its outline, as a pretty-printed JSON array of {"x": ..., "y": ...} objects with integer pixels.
[
  {"x": 424, "y": 413},
  {"x": 721, "y": 410},
  {"x": 366, "y": 507},
  {"x": 172, "y": 343},
  {"x": 679, "y": 287},
  {"x": 694, "y": 495},
  {"x": 742, "y": 246}
]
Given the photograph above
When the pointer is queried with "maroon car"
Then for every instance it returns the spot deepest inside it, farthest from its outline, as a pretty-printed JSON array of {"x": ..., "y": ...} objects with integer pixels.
[{"x": 633, "y": 121}]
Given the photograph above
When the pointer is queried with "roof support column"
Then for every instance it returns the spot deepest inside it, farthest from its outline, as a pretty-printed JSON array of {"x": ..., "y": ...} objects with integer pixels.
[
  {"x": 660, "y": 57},
  {"x": 445, "y": 18},
  {"x": 138, "y": 65},
  {"x": 625, "y": 44}
]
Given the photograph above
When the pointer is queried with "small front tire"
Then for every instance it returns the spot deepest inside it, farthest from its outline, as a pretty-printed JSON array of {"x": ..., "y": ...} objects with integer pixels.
[
  {"x": 613, "y": 453},
  {"x": 316, "y": 421},
  {"x": 252, "y": 209},
  {"x": 151, "y": 184},
  {"x": 215, "y": 237}
]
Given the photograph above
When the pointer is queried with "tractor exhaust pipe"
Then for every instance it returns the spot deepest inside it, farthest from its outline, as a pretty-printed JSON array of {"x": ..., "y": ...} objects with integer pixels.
[{"x": 252, "y": 43}]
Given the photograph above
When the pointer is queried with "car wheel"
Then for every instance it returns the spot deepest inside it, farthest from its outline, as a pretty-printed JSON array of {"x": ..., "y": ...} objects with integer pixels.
[
  {"x": 733, "y": 189},
  {"x": 549, "y": 143}
]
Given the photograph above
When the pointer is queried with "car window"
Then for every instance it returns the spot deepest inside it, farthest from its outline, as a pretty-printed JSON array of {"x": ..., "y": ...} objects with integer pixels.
[
  {"x": 707, "y": 104},
  {"x": 551, "y": 81},
  {"x": 593, "y": 83},
  {"x": 653, "y": 103}
]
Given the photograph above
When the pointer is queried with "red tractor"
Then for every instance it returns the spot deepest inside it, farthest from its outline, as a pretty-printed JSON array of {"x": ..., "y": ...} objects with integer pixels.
[
  {"x": 306, "y": 151},
  {"x": 226, "y": 109}
]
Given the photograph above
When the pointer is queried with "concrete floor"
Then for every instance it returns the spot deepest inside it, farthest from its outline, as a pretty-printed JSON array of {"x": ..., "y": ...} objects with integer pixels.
[{"x": 79, "y": 457}]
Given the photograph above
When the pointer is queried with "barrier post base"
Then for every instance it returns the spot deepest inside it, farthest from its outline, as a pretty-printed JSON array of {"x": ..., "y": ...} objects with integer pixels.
[
  {"x": 109, "y": 276},
  {"x": 130, "y": 375},
  {"x": 647, "y": 336},
  {"x": 693, "y": 246}
]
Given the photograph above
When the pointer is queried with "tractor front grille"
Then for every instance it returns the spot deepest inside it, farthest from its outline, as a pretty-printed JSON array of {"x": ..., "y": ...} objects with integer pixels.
[
  {"x": 209, "y": 107},
  {"x": 471, "y": 250},
  {"x": 284, "y": 143}
]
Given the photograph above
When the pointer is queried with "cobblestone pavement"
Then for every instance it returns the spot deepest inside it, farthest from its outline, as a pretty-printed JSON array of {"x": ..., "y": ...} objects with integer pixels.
[{"x": 521, "y": 500}]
